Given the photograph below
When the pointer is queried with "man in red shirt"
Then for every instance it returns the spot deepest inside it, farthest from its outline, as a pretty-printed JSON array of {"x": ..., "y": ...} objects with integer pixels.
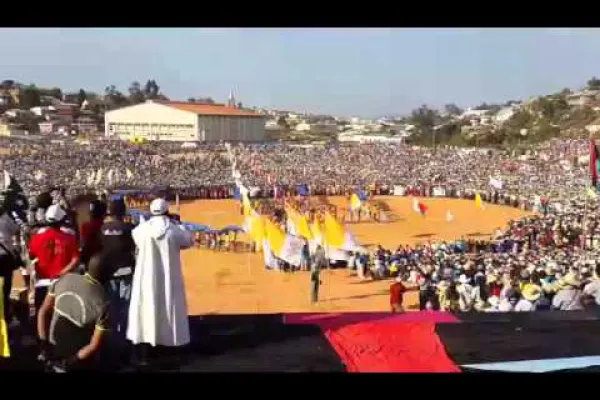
[
  {"x": 54, "y": 250},
  {"x": 90, "y": 231},
  {"x": 397, "y": 290}
]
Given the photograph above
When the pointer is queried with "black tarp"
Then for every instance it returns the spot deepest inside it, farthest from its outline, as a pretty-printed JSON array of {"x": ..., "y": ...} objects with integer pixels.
[
  {"x": 225, "y": 343},
  {"x": 519, "y": 339}
]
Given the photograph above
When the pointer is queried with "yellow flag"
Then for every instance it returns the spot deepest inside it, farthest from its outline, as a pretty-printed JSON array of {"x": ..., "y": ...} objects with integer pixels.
[
  {"x": 478, "y": 201},
  {"x": 275, "y": 236},
  {"x": 315, "y": 230},
  {"x": 4, "y": 348},
  {"x": 355, "y": 202},
  {"x": 256, "y": 227},
  {"x": 335, "y": 233},
  {"x": 591, "y": 193},
  {"x": 300, "y": 223}
]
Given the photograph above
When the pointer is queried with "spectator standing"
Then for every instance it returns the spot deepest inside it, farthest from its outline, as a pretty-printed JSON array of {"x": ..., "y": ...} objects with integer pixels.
[
  {"x": 90, "y": 231},
  {"x": 397, "y": 290},
  {"x": 319, "y": 262},
  {"x": 158, "y": 312},
  {"x": 54, "y": 252},
  {"x": 78, "y": 308},
  {"x": 118, "y": 256}
]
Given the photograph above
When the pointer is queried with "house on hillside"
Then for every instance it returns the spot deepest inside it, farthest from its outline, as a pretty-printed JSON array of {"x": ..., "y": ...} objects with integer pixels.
[
  {"x": 86, "y": 124},
  {"x": 42, "y": 111},
  {"x": 320, "y": 127},
  {"x": 505, "y": 113},
  {"x": 8, "y": 129},
  {"x": 11, "y": 95},
  {"x": 582, "y": 98}
]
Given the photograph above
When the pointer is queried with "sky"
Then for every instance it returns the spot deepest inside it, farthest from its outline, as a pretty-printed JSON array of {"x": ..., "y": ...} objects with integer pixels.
[{"x": 344, "y": 72}]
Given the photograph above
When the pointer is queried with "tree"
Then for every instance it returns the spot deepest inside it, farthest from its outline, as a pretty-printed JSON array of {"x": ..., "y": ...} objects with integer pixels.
[
  {"x": 566, "y": 92},
  {"x": 151, "y": 89},
  {"x": 113, "y": 98},
  {"x": 81, "y": 97},
  {"x": 282, "y": 122},
  {"x": 593, "y": 84},
  {"x": 482, "y": 107},
  {"x": 424, "y": 118},
  {"x": 191, "y": 100},
  {"x": 7, "y": 84},
  {"x": 453, "y": 109},
  {"x": 136, "y": 96},
  {"x": 239, "y": 104},
  {"x": 55, "y": 92},
  {"x": 30, "y": 97}
]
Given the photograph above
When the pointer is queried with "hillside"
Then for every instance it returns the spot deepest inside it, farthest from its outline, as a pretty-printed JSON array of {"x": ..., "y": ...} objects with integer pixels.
[{"x": 565, "y": 114}]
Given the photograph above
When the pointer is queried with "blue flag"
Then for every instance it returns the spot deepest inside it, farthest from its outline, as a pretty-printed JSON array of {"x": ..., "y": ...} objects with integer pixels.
[
  {"x": 303, "y": 190},
  {"x": 362, "y": 195}
]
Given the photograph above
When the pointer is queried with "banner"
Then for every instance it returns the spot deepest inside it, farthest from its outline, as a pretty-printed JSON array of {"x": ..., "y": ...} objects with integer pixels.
[
  {"x": 336, "y": 254},
  {"x": 439, "y": 192},
  {"x": 253, "y": 191},
  {"x": 399, "y": 190}
]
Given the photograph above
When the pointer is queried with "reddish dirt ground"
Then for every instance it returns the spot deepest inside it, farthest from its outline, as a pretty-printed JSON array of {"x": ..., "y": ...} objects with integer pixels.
[{"x": 237, "y": 283}]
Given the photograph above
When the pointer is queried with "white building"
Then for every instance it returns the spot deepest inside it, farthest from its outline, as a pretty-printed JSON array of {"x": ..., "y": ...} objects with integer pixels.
[{"x": 180, "y": 121}]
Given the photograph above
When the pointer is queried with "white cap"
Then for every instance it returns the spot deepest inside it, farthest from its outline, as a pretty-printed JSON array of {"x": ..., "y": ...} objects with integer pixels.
[
  {"x": 159, "y": 207},
  {"x": 55, "y": 213}
]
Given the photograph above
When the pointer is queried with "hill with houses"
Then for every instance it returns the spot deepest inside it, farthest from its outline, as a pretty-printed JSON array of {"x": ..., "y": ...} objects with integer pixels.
[{"x": 30, "y": 109}]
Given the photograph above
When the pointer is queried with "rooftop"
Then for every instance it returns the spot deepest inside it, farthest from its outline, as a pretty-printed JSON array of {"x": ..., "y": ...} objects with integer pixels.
[{"x": 209, "y": 109}]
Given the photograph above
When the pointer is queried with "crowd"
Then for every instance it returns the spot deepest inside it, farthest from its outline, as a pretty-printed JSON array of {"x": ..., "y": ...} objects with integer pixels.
[
  {"x": 542, "y": 262},
  {"x": 86, "y": 269}
]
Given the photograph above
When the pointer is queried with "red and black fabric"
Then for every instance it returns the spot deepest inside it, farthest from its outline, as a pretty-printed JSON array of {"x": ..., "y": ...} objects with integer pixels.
[{"x": 524, "y": 342}]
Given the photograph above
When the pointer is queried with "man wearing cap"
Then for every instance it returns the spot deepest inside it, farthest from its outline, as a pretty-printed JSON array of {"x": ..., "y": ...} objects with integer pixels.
[
  {"x": 54, "y": 252},
  {"x": 158, "y": 309}
]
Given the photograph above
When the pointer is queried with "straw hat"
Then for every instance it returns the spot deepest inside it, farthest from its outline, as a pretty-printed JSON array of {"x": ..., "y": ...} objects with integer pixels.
[
  {"x": 531, "y": 292},
  {"x": 571, "y": 280}
]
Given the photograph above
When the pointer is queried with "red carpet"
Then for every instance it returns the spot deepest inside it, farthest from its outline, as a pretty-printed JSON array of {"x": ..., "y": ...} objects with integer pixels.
[
  {"x": 391, "y": 345},
  {"x": 384, "y": 342}
]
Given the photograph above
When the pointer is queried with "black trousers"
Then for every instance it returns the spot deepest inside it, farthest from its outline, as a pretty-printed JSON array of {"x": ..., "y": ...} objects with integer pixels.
[{"x": 6, "y": 272}]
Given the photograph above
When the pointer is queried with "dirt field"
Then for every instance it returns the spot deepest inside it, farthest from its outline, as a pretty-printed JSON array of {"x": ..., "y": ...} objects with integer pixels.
[{"x": 230, "y": 283}]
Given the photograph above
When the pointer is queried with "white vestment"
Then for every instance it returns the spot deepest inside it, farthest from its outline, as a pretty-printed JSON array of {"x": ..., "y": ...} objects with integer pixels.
[{"x": 158, "y": 309}]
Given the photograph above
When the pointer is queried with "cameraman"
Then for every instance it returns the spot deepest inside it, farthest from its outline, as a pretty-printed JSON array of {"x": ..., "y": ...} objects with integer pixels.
[{"x": 79, "y": 307}]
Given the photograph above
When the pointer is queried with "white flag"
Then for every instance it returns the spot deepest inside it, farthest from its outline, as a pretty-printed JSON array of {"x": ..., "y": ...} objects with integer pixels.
[
  {"x": 128, "y": 174},
  {"x": 91, "y": 178},
  {"x": 39, "y": 175},
  {"x": 110, "y": 176},
  {"x": 496, "y": 183},
  {"x": 98, "y": 177},
  {"x": 449, "y": 216}
]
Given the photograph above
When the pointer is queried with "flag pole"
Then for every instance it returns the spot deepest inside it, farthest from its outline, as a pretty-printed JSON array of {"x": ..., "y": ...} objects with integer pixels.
[{"x": 585, "y": 204}]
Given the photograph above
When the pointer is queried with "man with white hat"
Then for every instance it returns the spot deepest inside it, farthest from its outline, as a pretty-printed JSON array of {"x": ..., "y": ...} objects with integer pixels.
[
  {"x": 158, "y": 314},
  {"x": 54, "y": 252}
]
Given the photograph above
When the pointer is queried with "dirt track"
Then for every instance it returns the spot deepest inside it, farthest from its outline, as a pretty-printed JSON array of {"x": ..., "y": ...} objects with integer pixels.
[{"x": 231, "y": 283}]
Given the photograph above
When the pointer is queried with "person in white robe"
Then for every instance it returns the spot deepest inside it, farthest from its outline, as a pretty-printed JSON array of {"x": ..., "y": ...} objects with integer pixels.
[{"x": 158, "y": 314}]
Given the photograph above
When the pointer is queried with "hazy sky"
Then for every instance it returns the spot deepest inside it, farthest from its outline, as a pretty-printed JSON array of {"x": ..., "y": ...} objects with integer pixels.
[{"x": 338, "y": 71}]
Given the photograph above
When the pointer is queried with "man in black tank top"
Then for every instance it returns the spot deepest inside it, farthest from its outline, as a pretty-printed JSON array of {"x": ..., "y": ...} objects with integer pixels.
[{"x": 118, "y": 256}]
